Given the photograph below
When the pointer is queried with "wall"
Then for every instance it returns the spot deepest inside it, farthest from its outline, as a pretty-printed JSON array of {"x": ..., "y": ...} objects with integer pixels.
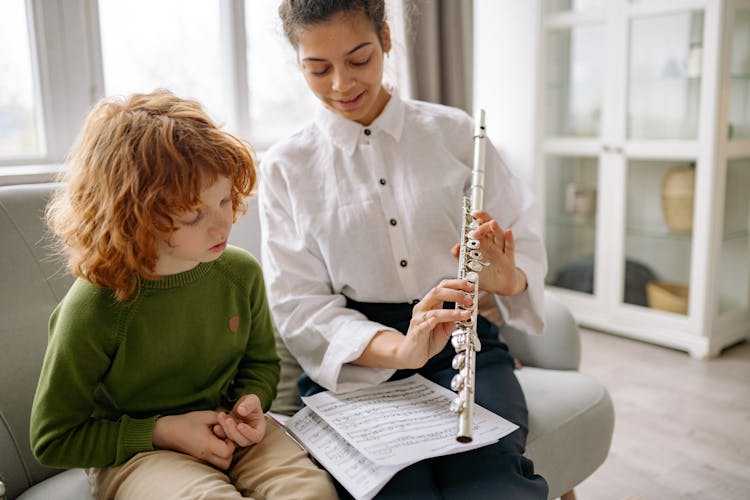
[{"x": 505, "y": 33}]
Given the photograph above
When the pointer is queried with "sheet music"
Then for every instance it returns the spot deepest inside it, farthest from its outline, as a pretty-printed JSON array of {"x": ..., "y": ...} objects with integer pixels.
[
  {"x": 401, "y": 422},
  {"x": 361, "y": 477}
]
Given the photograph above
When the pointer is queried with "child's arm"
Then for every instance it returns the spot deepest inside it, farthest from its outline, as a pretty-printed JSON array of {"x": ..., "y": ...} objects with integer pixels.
[
  {"x": 65, "y": 430},
  {"x": 258, "y": 371}
]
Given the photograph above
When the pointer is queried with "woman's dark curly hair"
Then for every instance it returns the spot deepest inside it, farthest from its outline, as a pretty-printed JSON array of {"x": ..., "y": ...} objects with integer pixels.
[{"x": 296, "y": 15}]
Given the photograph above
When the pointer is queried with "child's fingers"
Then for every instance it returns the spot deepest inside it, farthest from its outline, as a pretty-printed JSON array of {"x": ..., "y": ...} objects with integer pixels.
[
  {"x": 219, "y": 431},
  {"x": 233, "y": 433},
  {"x": 253, "y": 434}
]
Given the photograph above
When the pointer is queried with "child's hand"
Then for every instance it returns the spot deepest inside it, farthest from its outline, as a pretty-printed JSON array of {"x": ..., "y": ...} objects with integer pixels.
[
  {"x": 245, "y": 424},
  {"x": 191, "y": 433}
]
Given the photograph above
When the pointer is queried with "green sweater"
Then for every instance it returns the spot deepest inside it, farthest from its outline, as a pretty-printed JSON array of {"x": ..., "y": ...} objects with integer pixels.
[{"x": 191, "y": 341}]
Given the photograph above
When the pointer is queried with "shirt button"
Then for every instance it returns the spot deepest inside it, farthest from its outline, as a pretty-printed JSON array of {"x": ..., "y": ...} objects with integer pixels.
[
  {"x": 393, "y": 222},
  {"x": 368, "y": 131},
  {"x": 382, "y": 182},
  {"x": 403, "y": 263}
]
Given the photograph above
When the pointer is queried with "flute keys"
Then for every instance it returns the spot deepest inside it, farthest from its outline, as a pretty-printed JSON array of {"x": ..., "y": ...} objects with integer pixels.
[
  {"x": 459, "y": 360},
  {"x": 459, "y": 340},
  {"x": 457, "y": 382},
  {"x": 472, "y": 277},
  {"x": 472, "y": 244},
  {"x": 457, "y": 405},
  {"x": 474, "y": 265}
]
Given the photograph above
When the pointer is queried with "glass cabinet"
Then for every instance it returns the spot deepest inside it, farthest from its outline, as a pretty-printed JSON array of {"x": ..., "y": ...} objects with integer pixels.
[{"x": 643, "y": 166}]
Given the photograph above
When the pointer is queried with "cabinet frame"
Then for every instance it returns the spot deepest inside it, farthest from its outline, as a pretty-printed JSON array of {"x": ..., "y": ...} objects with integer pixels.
[{"x": 702, "y": 332}]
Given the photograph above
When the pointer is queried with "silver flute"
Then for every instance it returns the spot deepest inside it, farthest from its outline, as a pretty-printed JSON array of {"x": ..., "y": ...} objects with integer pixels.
[{"x": 464, "y": 338}]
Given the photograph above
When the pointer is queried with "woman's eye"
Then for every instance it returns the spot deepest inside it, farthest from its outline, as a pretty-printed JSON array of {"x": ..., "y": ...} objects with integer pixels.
[
  {"x": 361, "y": 63},
  {"x": 318, "y": 71}
]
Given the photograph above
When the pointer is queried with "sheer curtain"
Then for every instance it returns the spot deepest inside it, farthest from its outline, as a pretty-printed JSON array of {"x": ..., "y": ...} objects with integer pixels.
[{"x": 439, "y": 41}]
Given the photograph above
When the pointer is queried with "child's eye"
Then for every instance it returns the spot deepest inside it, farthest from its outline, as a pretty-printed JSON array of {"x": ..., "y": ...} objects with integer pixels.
[{"x": 195, "y": 220}]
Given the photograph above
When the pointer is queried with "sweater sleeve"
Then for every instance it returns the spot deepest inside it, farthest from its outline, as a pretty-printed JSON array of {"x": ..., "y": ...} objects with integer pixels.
[
  {"x": 64, "y": 430},
  {"x": 258, "y": 371}
]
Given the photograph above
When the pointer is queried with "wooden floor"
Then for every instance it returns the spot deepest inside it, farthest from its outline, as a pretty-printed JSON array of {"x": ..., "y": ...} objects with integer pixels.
[{"x": 682, "y": 426}]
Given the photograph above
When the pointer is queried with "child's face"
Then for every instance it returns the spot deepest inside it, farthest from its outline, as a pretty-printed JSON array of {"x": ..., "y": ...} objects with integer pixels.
[
  {"x": 342, "y": 62},
  {"x": 201, "y": 236}
]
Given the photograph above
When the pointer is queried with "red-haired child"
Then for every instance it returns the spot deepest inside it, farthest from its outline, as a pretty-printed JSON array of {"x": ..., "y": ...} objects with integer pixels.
[{"x": 161, "y": 358}]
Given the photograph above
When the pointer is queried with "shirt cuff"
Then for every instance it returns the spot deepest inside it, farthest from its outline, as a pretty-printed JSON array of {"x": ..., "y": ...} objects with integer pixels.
[
  {"x": 525, "y": 311},
  {"x": 337, "y": 373},
  {"x": 137, "y": 435}
]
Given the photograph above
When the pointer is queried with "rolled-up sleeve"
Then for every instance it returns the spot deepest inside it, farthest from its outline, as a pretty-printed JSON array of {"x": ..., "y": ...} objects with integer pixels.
[{"x": 319, "y": 330}]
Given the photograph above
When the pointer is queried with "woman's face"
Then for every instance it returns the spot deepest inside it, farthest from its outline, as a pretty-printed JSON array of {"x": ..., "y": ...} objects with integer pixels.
[{"x": 342, "y": 61}]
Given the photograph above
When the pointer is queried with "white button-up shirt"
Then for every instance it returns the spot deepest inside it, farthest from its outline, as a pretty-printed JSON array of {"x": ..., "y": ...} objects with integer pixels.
[{"x": 371, "y": 213}]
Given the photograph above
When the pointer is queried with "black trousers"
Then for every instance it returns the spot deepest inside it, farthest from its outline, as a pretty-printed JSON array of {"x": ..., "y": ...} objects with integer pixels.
[{"x": 496, "y": 471}]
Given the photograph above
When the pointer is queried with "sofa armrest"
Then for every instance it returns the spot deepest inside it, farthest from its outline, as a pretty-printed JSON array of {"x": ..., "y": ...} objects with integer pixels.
[{"x": 558, "y": 348}]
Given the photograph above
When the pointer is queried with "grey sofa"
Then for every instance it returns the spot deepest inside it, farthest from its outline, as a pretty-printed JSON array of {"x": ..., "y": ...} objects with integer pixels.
[{"x": 571, "y": 415}]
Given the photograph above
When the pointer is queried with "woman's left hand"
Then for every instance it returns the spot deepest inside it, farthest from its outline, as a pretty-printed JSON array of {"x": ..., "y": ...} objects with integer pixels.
[{"x": 497, "y": 247}]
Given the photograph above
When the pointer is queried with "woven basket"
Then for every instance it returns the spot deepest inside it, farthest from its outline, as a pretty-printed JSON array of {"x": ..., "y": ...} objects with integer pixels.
[{"x": 672, "y": 297}]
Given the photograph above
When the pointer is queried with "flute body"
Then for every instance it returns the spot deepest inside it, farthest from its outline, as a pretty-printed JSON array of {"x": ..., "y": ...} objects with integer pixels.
[{"x": 464, "y": 338}]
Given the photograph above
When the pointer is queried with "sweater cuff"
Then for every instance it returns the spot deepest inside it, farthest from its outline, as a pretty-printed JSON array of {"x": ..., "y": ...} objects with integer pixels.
[{"x": 136, "y": 436}]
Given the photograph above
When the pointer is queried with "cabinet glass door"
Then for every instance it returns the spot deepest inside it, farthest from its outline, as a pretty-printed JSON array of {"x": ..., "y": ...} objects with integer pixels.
[
  {"x": 659, "y": 222},
  {"x": 664, "y": 76},
  {"x": 574, "y": 81},
  {"x": 734, "y": 276},
  {"x": 739, "y": 77},
  {"x": 570, "y": 232}
]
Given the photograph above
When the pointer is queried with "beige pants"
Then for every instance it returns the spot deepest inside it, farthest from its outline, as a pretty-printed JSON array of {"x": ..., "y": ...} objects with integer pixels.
[{"x": 275, "y": 468}]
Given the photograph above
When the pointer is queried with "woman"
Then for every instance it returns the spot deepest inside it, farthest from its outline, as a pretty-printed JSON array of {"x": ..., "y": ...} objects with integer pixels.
[{"x": 360, "y": 213}]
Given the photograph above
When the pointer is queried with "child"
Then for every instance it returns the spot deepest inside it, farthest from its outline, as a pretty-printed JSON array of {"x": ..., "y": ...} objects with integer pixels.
[
  {"x": 161, "y": 357},
  {"x": 359, "y": 262}
]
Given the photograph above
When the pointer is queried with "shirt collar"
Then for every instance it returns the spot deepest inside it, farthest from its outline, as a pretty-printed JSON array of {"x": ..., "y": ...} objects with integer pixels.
[{"x": 345, "y": 133}]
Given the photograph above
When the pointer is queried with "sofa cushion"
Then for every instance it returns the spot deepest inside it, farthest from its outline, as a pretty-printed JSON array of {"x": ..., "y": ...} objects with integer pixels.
[
  {"x": 70, "y": 484},
  {"x": 571, "y": 419},
  {"x": 33, "y": 284}
]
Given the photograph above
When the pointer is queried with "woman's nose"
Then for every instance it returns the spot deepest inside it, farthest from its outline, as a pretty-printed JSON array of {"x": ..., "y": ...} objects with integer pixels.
[{"x": 342, "y": 80}]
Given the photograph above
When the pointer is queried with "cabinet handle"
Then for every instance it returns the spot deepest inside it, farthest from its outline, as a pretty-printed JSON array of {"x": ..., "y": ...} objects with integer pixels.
[{"x": 607, "y": 148}]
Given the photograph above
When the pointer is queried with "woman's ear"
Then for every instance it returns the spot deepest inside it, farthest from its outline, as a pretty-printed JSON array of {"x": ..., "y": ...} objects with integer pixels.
[{"x": 385, "y": 38}]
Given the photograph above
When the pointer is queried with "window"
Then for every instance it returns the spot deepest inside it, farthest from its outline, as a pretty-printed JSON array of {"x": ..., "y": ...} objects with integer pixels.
[
  {"x": 279, "y": 100},
  {"x": 20, "y": 130},
  {"x": 176, "y": 46}
]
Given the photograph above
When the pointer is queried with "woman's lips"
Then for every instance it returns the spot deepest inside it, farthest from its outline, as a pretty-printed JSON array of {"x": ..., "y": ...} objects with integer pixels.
[{"x": 350, "y": 103}]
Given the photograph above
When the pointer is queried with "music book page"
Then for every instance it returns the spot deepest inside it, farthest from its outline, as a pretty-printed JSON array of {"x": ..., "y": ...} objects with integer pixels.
[{"x": 364, "y": 437}]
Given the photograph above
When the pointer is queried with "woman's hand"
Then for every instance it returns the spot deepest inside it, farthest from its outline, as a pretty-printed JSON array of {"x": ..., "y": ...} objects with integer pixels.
[
  {"x": 192, "y": 433},
  {"x": 429, "y": 330},
  {"x": 501, "y": 277},
  {"x": 431, "y": 326},
  {"x": 245, "y": 424}
]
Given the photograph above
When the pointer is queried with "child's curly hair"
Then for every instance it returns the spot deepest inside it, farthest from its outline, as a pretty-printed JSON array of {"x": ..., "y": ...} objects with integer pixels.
[{"x": 140, "y": 161}]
